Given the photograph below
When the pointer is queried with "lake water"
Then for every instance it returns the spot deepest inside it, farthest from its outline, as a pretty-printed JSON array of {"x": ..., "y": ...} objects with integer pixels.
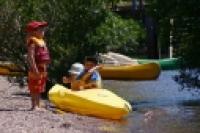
[{"x": 159, "y": 106}]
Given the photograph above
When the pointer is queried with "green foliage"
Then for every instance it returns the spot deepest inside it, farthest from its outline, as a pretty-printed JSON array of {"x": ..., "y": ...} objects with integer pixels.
[
  {"x": 185, "y": 31},
  {"x": 69, "y": 23},
  {"x": 75, "y": 29},
  {"x": 118, "y": 35},
  {"x": 10, "y": 32}
]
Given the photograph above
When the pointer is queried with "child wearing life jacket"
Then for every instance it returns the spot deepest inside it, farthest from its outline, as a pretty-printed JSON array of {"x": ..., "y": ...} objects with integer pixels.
[
  {"x": 38, "y": 59},
  {"x": 90, "y": 77},
  {"x": 84, "y": 77}
]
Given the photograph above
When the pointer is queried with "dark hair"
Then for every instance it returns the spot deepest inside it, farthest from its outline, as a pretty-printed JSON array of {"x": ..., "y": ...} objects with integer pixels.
[{"x": 92, "y": 59}]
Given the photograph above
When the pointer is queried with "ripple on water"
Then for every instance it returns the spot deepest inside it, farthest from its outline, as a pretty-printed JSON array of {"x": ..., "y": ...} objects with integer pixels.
[{"x": 159, "y": 105}]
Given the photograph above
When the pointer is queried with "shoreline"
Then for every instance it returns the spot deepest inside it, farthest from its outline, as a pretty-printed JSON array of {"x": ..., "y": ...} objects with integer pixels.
[{"x": 15, "y": 115}]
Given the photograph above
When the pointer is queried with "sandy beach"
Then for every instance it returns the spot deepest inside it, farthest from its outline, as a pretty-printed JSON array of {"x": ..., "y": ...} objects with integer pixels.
[{"x": 15, "y": 116}]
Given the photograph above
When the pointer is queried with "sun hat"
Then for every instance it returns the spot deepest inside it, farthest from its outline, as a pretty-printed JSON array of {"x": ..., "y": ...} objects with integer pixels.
[
  {"x": 33, "y": 25},
  {"x": 76, "y": 68}
]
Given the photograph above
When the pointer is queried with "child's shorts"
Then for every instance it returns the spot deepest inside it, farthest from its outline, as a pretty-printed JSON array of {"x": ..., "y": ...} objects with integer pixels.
[{"x": 37, "y": 82}]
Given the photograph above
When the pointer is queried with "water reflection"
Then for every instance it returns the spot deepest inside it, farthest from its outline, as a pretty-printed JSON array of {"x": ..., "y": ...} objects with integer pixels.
[{"x": 159, "y": 106}]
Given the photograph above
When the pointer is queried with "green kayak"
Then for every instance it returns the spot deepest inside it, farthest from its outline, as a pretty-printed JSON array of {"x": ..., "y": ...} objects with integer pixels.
[{"x": 165, "y": 64}]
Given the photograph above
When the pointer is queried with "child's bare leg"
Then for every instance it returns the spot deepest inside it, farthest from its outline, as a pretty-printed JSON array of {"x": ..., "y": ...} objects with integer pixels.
[
  {"x": 38, "y": 105},
  {"x": 33, "y": 101},
  {"x": 37, "y": 100}
]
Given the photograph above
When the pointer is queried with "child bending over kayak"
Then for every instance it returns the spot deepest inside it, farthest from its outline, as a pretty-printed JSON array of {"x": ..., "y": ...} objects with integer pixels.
[{"x": 75, "y": 70}]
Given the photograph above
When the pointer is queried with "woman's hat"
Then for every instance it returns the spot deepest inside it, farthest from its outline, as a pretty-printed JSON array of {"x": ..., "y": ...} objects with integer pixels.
[
  {"x": 33, "y": 25},
  {"x": 76, "y": 68}
]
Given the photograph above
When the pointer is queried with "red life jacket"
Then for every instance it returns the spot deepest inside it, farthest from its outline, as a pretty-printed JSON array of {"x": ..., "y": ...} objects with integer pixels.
[{"x": 41, "y": 51}]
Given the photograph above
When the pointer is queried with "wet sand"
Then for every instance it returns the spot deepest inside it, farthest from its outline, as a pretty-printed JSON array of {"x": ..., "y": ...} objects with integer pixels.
[{"x": 15, "y": 116}]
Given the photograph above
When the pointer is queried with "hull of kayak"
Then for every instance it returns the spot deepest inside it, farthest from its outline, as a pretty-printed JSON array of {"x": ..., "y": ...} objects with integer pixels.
[
  {"x": 7, "y": 72},
  {"x": 131, "y": 72},
  {"x": 10, "y": 69},
  {"x": 95, "y": 102},
  {"x": 165, "y": 64}
]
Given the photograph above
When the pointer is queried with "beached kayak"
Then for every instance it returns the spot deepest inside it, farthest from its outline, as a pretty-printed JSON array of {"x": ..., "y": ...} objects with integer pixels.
[
  {"x": 165, "y": 64},
  {"x": 131, "y": 72},
  {"x": 95, "y": 102},
  {"x": 11, "y": 69},
  {"x": 6, "y": 72},
  {"x": 10, "y": 66}
]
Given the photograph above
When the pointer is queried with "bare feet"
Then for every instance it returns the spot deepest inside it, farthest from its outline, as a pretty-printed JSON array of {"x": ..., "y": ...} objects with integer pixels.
[
  {"x": 38, "y": 109},
  {"x": 41, "y": 109}
]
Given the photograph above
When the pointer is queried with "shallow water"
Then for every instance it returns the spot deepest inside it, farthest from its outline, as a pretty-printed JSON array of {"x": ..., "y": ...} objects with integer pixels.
[{"x": 160, "y": 106}]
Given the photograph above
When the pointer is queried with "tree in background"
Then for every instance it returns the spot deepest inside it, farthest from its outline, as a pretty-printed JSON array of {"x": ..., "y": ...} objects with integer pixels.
[
  {"x": 72, "y": 33},
  {"x": 185, "y": 31},
  {"x": 117, "y": 35}
]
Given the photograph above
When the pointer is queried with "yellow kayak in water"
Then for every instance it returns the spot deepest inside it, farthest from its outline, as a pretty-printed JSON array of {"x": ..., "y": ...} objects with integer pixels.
[
  {"x": 95, "y": 102},
  {"x": 131, "y": 72}
]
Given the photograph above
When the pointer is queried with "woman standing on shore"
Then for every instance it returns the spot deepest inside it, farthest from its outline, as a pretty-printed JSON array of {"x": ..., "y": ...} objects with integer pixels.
[{"x": 38, "y": 58}]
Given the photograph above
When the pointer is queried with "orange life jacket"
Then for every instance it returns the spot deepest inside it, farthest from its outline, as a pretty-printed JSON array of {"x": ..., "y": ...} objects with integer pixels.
[{"x": 41, "y": 51}]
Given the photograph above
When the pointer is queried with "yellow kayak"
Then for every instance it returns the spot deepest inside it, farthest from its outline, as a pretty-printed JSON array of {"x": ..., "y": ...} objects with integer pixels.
[
  {"x": 10, "y": 66},
  {"x": 95, "y": 102},
  {"x": 5, "y": 71},
  {"x": 10, "y": 69},
  {"x": 131, "y": 72}
]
